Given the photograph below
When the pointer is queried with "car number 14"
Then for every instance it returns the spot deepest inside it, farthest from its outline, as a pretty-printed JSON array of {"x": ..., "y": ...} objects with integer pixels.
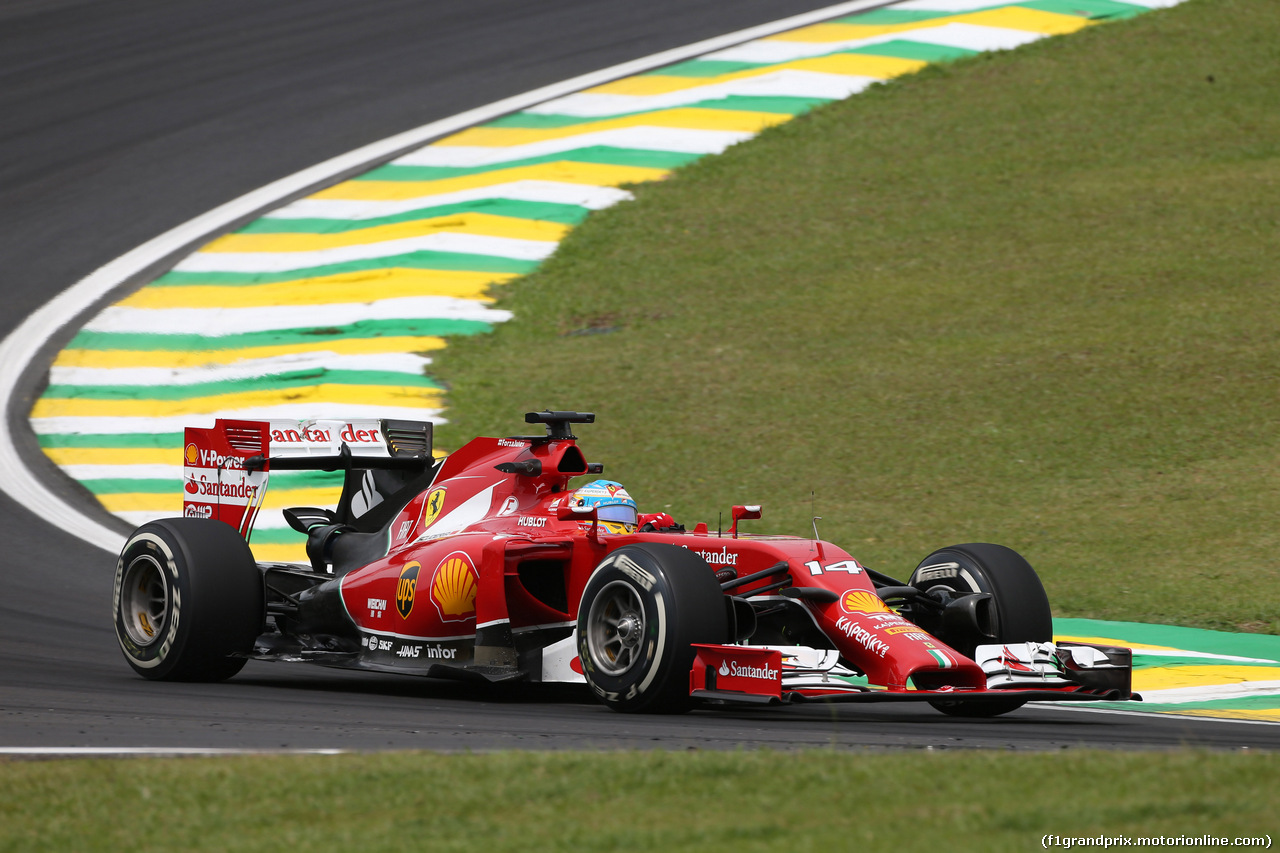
[{"x": 850, "y": 566}]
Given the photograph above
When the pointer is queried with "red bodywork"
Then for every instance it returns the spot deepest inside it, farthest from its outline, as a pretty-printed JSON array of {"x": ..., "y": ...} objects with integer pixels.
[{"x": 484, "y": 549}]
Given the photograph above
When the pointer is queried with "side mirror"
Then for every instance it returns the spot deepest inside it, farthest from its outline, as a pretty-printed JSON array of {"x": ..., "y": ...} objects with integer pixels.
[
  {"x": 582, "y": 515},
  {"x": 743, "y": 512}
]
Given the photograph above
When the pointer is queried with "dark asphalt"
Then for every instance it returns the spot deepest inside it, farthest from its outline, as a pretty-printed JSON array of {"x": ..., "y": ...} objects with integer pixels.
[{"x": 122, "y": 119}]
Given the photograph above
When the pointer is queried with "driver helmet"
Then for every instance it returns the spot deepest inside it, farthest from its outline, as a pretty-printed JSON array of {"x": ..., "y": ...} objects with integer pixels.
[{"x": 615, "y": 509}]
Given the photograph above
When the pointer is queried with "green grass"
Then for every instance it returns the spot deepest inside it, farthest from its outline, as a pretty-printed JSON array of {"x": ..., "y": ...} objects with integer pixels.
[
  {"x": 659, "y": 801},
  {"x": 1029, "y": 298}
]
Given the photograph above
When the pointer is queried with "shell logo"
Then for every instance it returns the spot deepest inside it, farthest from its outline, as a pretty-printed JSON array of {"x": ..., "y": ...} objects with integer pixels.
[
  {"x": 453, "y": 588},
  {"x": 192, "y": 454},
  {"x": 861, "y": 601}
]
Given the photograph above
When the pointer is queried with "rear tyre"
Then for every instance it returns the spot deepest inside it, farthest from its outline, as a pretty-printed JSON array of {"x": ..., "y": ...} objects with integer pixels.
[
  {"x": 1020, "y": 608},
  {"x": 643, "y": 608},
  {"x": 188, "y": 600}
]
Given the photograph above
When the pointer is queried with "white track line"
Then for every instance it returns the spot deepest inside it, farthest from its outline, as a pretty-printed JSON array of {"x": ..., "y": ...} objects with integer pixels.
[
  {"x": 1085, "y": 708},
  {"x": 154, "y": 751}
]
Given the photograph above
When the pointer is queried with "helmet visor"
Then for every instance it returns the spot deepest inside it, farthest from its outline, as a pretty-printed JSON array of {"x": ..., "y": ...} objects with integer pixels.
[{"x": 620, "y": 513}]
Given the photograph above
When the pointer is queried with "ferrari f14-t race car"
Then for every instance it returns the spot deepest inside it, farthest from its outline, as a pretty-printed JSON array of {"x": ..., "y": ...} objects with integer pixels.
[{"x": 489, "y": 565}]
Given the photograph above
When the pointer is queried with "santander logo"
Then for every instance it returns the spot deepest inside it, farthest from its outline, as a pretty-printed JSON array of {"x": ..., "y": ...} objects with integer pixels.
[{"x": 737, "y": 670}]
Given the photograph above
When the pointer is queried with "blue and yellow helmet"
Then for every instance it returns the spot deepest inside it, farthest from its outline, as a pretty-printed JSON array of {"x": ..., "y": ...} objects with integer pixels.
[{"x": 615, "y": 509}]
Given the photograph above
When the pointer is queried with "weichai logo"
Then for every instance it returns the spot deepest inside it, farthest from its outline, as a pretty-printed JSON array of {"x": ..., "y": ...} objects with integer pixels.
[
  {"x": 861, "y": 601},
  {"x": 453, "y": 588},
  {"x": 407, "y": 588}
]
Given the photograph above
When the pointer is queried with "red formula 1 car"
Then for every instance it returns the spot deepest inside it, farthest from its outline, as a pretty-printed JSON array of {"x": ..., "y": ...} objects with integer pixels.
[{"x": 489, "y": 565}]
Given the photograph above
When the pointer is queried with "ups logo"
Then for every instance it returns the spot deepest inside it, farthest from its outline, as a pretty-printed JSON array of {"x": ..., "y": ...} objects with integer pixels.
[{"x": 407, "y": 588}]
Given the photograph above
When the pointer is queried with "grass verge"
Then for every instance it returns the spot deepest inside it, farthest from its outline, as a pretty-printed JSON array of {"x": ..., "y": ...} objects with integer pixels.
[
  {"x": 1028, "y": 298},
  {"x": 657, "y": 801}
]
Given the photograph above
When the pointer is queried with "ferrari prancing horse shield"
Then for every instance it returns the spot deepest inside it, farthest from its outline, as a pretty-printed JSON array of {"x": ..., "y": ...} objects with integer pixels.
[{"x": 431, "y": 507}]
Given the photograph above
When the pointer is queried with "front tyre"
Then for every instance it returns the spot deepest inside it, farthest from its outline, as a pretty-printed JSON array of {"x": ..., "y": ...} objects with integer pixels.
[
  {"x": 643, "y": 608},
  {"x": 187, "y": 600},
  {"x": 1019, "y": 606}
]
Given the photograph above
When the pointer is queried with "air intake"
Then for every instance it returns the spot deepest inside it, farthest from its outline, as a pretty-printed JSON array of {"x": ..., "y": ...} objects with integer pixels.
[
  {"x": 408, "y": 439},
  {"x": 246, "y": 438}
]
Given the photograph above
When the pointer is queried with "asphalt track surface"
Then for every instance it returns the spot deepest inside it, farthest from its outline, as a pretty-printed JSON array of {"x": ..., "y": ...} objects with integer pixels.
[{"x": 122, "y": 119}]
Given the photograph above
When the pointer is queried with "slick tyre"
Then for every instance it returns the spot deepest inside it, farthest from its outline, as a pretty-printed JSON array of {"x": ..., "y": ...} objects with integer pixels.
[
  {"x": 642, "y": 609},
  {"x": 188, "y": 600},
  {"x": 1019, "y": 613}
]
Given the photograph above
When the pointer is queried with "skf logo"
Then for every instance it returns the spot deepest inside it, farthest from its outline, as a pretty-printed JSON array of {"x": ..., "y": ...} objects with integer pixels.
[
  {"x": 861, "y": 601},
  {"x": 431, "y": 509},
  {"x": 407, "y": 587},
  {"x": 453, "y": 588},
  {"x": 192, "y": 454}
]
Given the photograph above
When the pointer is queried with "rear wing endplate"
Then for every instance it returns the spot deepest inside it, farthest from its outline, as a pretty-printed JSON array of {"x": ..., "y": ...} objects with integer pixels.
[{"x": 226, "y": 467}]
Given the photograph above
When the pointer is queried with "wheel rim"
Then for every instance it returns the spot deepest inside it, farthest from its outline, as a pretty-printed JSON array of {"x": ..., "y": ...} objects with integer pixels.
[
  {"x": 615, "y": 628},
  {"x": 966, "y": 583},
  {"x": 144, "y": 600}
]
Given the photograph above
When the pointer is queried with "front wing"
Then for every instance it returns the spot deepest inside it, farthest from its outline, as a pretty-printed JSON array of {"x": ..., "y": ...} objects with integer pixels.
[{"x": 1038, "y": 672}]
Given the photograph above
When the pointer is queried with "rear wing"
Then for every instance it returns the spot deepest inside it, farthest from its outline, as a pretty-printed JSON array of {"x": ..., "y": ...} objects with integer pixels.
[{"x": 227, "y": 466}]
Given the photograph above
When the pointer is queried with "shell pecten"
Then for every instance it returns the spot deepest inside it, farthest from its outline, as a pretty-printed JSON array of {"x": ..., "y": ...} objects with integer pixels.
[{"x": 454, "y": 587}]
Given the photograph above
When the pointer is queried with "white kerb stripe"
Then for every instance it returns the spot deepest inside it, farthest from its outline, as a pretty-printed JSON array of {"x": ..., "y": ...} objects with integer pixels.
[
  {"x": 550, "y": 192},
  {"x": 467, "y": 244},
  {"x": 947, "y": 5},
  {"x": 127, "y": 472},
  {"x": 80, "y": 425},
  {"x": 968, "y": 36},
  {"x": 226, "y": 321},
  {"x": 788, "y": 82},
  {"x": 1209, "y": 693},
  {"x": 643, "y": 137},
  {"x": 319, "y": 362}
]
